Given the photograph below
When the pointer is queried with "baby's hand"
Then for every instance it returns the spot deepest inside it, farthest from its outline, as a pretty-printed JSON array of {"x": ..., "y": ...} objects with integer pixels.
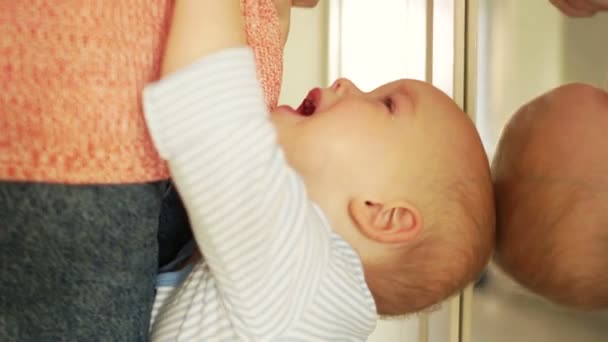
[
  {"x": 580, "y": 8},
  {"x": 304, "y": 3}
]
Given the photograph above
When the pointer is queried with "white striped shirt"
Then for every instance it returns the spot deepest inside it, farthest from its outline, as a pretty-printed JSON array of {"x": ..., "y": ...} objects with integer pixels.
[{"x": 273, "y": 269}]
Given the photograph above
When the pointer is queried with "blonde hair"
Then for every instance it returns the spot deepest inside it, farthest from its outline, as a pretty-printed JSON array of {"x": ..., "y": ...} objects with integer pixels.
[
  {"x": 451, "y": 251},
  {"x": 552, "y": 196},
  {"x": 560, "y": 252}
]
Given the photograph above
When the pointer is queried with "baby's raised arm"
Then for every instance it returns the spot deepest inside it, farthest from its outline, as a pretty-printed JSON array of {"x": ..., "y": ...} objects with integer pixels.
[
  {"x": 266, "y": 244},
  {"x": 200, "y": 28}
]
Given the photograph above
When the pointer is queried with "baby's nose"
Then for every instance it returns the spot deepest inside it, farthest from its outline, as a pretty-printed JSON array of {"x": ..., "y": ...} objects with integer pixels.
[{"x": 344, "y": 86}]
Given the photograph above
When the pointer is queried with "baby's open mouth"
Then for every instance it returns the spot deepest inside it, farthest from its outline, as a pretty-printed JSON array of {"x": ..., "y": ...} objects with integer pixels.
[
  {"x": 310, "y": 103},
  {"x": 307, "y": 107}
]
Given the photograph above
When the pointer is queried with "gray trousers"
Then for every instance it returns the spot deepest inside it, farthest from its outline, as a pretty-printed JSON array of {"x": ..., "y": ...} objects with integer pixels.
[{"x": 78, "y": 263}]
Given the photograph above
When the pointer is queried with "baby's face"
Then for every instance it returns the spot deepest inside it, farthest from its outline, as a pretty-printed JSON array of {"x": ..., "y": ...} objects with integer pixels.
[{"x": 366, "y": 142}]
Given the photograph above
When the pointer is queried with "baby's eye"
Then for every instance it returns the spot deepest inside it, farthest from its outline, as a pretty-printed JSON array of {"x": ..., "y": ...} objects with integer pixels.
[{"x": 388, "y": 102}]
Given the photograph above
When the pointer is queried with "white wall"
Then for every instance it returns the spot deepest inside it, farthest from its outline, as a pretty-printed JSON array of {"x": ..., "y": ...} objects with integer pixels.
[
  {"x": 585, "y": 50},
  {"x": 305, "y": 64}
]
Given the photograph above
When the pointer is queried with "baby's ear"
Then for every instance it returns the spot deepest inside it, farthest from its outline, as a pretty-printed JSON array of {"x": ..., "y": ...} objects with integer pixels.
[{"x": 393, "y": 222}]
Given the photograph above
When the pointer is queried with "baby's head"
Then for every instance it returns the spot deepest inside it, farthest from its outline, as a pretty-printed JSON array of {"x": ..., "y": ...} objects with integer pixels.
[
  {"x": 551, "y": 182},
  {"x": 402, "y": 176}
]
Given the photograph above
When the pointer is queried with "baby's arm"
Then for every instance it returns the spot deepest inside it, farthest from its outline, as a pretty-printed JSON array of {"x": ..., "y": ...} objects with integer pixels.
[
  {"x": 267, "y": 245},
  {"x": 200, "y": 28}
]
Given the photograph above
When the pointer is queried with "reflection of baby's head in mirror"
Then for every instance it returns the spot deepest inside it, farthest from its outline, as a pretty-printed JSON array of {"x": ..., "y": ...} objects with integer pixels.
[
  {"x": 551, "y": 182},
  {"x": 402, "y": 175}
]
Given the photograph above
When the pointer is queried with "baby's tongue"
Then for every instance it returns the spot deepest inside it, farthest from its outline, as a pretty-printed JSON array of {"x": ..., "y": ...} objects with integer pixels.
[{"x": 307, "y": 107}]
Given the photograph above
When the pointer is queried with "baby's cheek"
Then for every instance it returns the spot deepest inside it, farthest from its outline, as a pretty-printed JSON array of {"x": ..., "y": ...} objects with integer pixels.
[{"x": 263, "y": 31}]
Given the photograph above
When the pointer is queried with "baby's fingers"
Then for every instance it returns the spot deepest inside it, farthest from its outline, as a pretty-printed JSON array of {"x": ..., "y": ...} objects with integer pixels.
[
  {"x": 304, "y": 3},
  {"x": 576, "y": 8}
]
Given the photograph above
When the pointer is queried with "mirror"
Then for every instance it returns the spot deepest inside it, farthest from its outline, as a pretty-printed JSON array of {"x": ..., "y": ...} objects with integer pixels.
[{"x": 525, "y": 49}]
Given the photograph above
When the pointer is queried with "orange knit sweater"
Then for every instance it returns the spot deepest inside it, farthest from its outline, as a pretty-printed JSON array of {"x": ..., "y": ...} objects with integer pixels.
[{"x": 71, "y": 77}]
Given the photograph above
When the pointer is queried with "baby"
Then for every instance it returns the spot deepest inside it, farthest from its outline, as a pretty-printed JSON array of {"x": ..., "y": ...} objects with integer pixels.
[
  {"x": 311, "y": 221},
  {"x": 551, "y": 177}
]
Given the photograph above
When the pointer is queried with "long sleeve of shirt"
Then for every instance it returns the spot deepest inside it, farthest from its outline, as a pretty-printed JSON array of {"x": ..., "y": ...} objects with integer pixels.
[{"x": 273, "y": 268}]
